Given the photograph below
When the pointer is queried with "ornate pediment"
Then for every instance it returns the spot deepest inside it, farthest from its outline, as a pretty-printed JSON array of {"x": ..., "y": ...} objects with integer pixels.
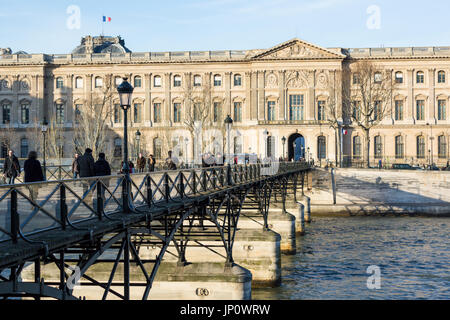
[{"x": 297, "y": 49}]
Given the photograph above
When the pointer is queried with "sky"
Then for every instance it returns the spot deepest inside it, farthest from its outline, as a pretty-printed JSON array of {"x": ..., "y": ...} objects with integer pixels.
[{"x": 187, "y": 25}]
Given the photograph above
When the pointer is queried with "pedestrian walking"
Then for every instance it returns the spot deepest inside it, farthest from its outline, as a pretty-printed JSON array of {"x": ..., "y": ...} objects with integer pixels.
[
  {"x": 151, "y": 163},
  {"x": 170, "y": 164},
  {"x": 141, "y": 163},
  {"x": 75, "y": 167},
  {"x": 33, "y": 173},
  {"x": 86, "y": 167},
  {"x": 102, "y": 168},
  {"x": 11, "y": 168}
]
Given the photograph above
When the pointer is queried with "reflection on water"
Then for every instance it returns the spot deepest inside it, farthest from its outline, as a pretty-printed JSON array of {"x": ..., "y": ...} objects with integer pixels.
[{"x": 332, "y": 258}]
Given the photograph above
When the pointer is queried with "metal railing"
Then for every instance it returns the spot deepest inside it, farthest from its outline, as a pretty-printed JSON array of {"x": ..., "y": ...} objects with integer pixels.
[{"x": 30, "y": 208}]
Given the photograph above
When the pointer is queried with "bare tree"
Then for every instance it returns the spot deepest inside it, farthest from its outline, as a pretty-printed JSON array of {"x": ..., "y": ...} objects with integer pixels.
[
  {"x": 369, "y": 91},
  {"x": 93, "y": 120}
]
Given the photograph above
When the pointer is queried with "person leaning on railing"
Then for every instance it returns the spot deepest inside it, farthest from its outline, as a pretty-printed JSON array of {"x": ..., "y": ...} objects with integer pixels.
[{"x": 33, "y": 173}]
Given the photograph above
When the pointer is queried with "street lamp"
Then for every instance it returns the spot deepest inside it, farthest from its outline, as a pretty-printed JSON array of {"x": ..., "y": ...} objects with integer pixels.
[
  {"x": 431, "y": 142},
  {"x": 125, "y": 90},
  {"x": 138, "y": 143},
  {"x": 186, "y": 142},
  {"x": 44, "y": 129},
  {"x": 283, "y": 141},
  {"x": 265, "y": 133},
  {"x": 228, "y": 124},
  {"x": 309, "y": 155}
]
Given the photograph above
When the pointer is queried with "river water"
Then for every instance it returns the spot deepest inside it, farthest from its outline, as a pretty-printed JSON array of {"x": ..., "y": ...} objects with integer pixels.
[{"x": 412, "y": 254}]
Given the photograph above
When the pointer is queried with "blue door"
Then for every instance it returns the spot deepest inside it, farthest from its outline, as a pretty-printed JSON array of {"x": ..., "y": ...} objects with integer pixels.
[{"x": 299, "y": 148}]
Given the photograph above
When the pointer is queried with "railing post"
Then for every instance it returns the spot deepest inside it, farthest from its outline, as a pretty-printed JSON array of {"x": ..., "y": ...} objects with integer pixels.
[
  {"x": 204, "y": 181},
  {"x": 166, "y": 187},
  {"x": 62, "y": 206},
  {"x": 15, "y": 222},
  {"x": 99, "y": 200},
  {"x": 194, "y": 181},
  {"x": 59, "y": 173},
  {"x": 148, "y": 183},
  {"x": 181, "y": 184},
  {"x": 213, "y": 178},
  {"x": 229, "y": 180}
]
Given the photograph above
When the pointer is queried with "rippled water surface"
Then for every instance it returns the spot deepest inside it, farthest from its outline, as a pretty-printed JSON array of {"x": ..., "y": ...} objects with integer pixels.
[{"x": 332, "y": 259}]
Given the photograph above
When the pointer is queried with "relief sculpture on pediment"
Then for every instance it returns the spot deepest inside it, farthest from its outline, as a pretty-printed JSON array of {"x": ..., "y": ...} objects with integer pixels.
[
  {"x": 271, "y": 80},
  {"x": 296, "y": 51},
  {"x": 298, "y": 79}
]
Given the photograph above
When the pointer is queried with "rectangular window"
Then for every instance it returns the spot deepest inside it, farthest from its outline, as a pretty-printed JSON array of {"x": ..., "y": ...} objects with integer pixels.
[
  {"x": 399, "y": 147},
  {"x": 157, "y": 81},
  {"x": 60, "y": 114},
  {"x": 296, "y": 103},
  {"x": 59, "y": 83},
  {"x": 117, "y": 113},
  {"x": 25, "y": 114},
  {"x": 6, "y": 113},
  {"x": 79, "y": 83},
  {"x": 420, "y": 110},
  {"x": 442, "y": 112},
  {"x": 420, "y": 77},
  {"x": 398, "y": 110},
  {"x": 420, "y": 147},
  {"x": 177, "y": 112},
  {"x": 137, "y": 82},
  {"x": 98, "y": 82},
  {"x": 237, "y": 112},
  {"x": 321, "y": 147},
  {"x": 237, "y": 80},
  {"x": 377, "y": 111},
  {"x": 271, "y": 110},
  {"x": 137, "y": 112},
  {"x": 442, "y": 147},
  {"x": 321, "y": 110},
  {"x": 177, "y": 81},
  {"x": 217, "y": 80},
  {"x": 217, "y": 112},
  {"x": 197, "y": 81},
  {"x": 157, "y": 112},
  {"x": 378, "y": 147}
]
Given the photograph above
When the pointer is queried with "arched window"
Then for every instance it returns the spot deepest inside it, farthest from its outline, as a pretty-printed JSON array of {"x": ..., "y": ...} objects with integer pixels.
[
  {"x": 321, "y": 147},
  {"x": 157, "y": 148},
  {"x": 237, "y": 115},
  {"x": 177, "y": 81},
  {"x": 237, "y": 80},
  {"x": 217, "y": 112},
  {"x": 137, "y": 81},
  {"x": 399, "y": 147},
  {"x": 157, "y": 81},
  {"x": 442, "y": 147},
  {"x": 442, "y": 112},
  {"x": 356, "y": 79},
  {"x": 117, "y": 147},
  {"x": 157, "y": 112},
  {"x": 98, "y": 82},
  {"x": 59, "y": 113},
  {"x": 421, "y": 147},
  {"x": 270, "y": 110},
  {"x": 25, "y": 113},
  {"x": 24, "y": 148},
  {"x": 441, "y": 76},
  {"x": 78, "y": 82},
  {"x": 59, "y": 83},
  {"x": 177, "y": 112},
  {"x": 270, "y": 146},
  {"x": 420, "y": 77},
  {"x": 197, "y": 80},
  {"x": 237, "y": 145},
  {"x": 217, "y": 80},
  {"x": 356, "y": 147},
  {"x": 378, "y": 147},
  {"x": 399, "y": 77}
]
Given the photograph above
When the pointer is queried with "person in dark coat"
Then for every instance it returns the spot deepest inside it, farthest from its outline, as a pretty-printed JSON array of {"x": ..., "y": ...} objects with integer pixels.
[
  {"x": 151, "y": 163},
  {"x": 11, "y": 167},
  {"x": 102, "y": 168},
  {"x": 86, "y": 167},
  {"x": 141, "y": 163},
  {"x": 86, "y": 164},
  {"x": 75, "y": 168},
  {"x": 33, "y": 173}
]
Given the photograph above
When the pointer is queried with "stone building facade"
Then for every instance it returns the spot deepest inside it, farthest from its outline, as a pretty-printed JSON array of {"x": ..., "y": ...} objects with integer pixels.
[{"x": 281, "y": 90}]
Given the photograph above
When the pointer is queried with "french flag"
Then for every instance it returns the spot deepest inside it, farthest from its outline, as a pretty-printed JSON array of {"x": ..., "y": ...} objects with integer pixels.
[{"x": 106, "y": 19}]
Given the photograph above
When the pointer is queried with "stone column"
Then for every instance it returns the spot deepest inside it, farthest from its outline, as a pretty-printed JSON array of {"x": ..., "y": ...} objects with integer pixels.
[
  {"x": 254, "y": 101},
  {"x": 311, "y": 95},
  {"x": 409, "y": 110},
  {"x": 148, "y": 100},
  {"x": 167, "y": 114},
  {"x": 260, "y": 111},
  {"x": 248, "y": 89},
  {"x": 69, "y": 101},
  {"x": 282, "y": 94},
  {"x": 432, "y": 104}
]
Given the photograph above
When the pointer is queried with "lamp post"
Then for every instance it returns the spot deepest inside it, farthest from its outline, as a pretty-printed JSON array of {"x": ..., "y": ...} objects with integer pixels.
[
  {"x": 431, "y": 142},
  {"x": 265, "y": 133},
  {"x": 186, "y": 142},
  {"x": 138, "y": 143},
  {"x": 283, "y": 141},
  {"x": 228, "y": 124},
  {"x": 125, "y": 90},
  {"x": 309, "y": 155},
  {"x": 44, "y": 129}
]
